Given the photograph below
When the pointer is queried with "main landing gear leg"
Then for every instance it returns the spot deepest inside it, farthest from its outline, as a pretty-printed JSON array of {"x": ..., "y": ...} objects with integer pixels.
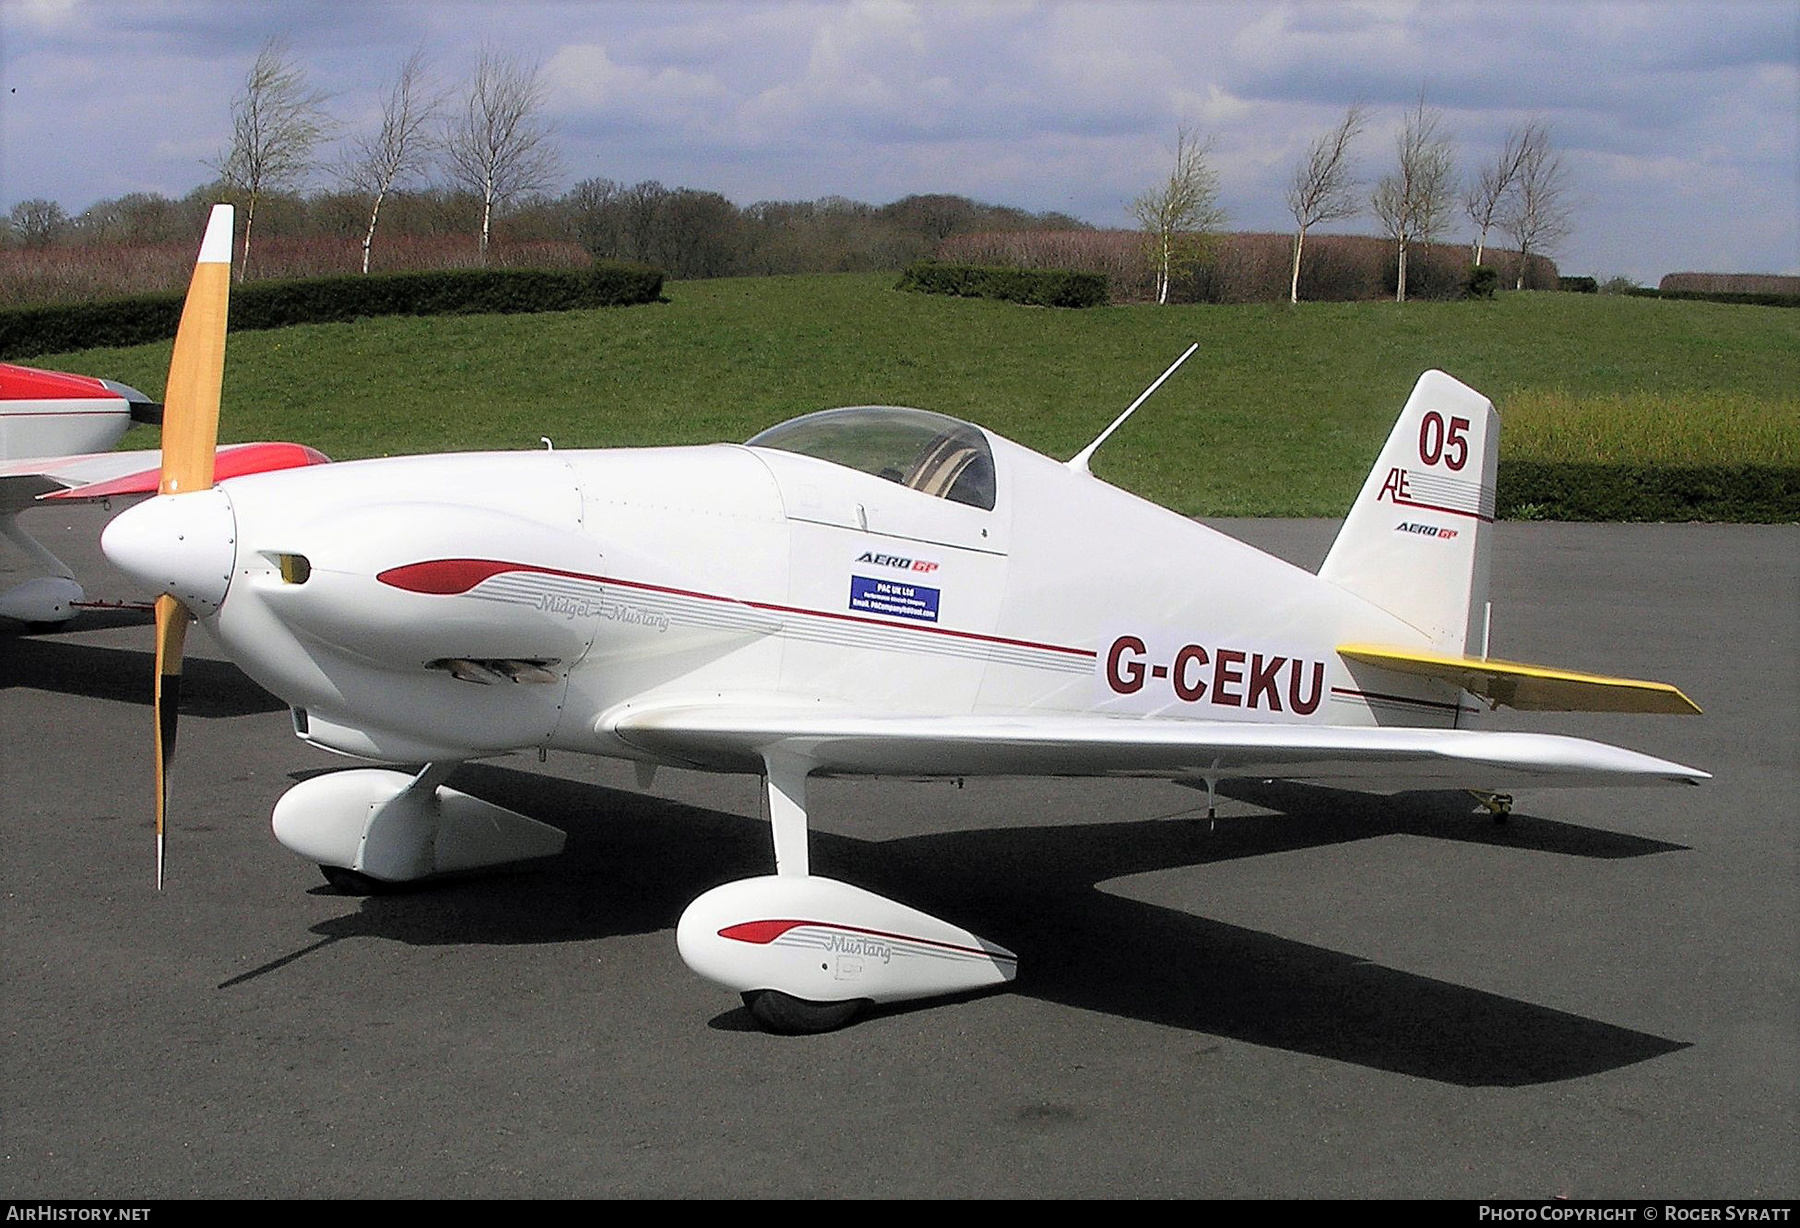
[
  {"x": 784, "y": 784},
  {"x": 784, "y": 787},
  {"x": 805, "y": 952}
]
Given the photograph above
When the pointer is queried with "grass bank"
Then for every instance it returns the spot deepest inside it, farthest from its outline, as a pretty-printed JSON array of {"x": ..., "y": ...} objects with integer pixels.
[{"x": 1280, "y": 413}]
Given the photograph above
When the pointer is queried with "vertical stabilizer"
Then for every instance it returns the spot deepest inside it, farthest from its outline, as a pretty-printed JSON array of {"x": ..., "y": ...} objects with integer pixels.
[{"x": 1417, "y": 540}]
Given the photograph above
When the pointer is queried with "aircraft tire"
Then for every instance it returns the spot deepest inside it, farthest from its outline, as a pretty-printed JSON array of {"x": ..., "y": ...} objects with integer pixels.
[{"x": 787, "y": 1015}]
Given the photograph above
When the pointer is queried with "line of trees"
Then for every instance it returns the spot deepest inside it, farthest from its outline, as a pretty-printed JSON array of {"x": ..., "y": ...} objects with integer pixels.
[
  {"x": 445, "y": 160},
  {"x": 440, "y": 159},
  {"x": 1523, "y": 192},
  {"x": 489, "y": 141},
  {"x": 143, "y": 241},
  {"x": 492, "y": 141}
]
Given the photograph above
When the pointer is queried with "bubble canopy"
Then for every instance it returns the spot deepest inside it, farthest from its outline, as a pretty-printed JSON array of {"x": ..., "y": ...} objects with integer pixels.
[{"x": 930, "y": 453}]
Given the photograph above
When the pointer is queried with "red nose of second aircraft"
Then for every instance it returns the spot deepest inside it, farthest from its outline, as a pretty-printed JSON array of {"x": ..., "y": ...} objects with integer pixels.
[{"x": 184, "y": 545}]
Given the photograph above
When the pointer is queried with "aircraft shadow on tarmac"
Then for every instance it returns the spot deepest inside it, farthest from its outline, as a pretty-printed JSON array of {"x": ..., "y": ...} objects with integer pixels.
[
  {"x": 124, "y": 675},
  {"x": 635, "y": 861}
]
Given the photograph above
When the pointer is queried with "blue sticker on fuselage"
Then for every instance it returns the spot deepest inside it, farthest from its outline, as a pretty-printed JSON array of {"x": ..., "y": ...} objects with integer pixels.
[{"x": 893, "y": 597}]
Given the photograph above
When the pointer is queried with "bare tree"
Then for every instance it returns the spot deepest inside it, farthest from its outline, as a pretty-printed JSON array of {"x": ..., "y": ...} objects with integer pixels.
[
  {"x": 136, "y": 217},
  {"x": 38, "y": 222},
  {"x": 276, "y": 124},
  {"x": 1413, "y": 200},
  {"x": 1324, "y": 186},
  {"x": 596, "y": 209},
  {"x": 401, "y": 148},
  {"x": 499, "y": 145},
  {"x": 699, "y": 234},
  {"x": 1538, "y": 213},
  {"x": 1489, "y": 193},
  {"x": 644, "y": 203},
  {"x": 1178, "y": 217}
]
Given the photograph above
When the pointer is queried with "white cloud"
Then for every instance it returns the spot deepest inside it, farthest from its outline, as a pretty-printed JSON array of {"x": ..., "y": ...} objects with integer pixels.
[
  {"x": 1677, "y": 117},
  {"x": 46, "y": 16},
  {"x": 583, "y": 78}
]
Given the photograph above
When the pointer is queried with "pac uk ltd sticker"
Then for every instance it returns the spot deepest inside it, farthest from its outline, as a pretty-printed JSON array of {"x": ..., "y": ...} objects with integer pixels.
[{"x": 893, "y": 597}]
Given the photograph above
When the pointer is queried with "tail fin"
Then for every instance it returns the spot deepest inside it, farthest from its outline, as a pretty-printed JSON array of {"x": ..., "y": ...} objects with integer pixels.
[{"x": 1417, "y": 540}]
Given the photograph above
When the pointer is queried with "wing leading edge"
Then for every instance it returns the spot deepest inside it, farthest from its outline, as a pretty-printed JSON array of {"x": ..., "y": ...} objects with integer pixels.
[{"x": 740, "y": 737}]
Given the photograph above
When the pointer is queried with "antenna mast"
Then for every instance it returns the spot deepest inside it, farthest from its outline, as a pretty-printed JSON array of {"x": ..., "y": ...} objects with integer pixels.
[{"x": 1079, "y": 462}]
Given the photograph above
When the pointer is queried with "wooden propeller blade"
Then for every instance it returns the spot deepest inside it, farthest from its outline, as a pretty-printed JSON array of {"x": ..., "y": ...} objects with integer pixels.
[
  {"x": 190, "y": 435},
  {"x": 190, "y": 429},
  {"x": 171, "y": 638}
]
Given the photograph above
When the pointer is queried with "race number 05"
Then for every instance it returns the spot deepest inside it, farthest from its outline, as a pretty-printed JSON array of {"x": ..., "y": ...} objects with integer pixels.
[{"x": 1438, "y": 442}]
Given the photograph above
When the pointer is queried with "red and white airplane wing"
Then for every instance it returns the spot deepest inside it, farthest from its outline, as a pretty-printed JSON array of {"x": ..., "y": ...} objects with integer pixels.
[
  {"x": 54, "y": 412},
  {"x": 115, "y": 475},
  {"x": 53, "y": 425}
]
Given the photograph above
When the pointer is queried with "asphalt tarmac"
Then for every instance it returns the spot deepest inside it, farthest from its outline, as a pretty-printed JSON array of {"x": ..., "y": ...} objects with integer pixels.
[{"x": 1327, "y": 994}]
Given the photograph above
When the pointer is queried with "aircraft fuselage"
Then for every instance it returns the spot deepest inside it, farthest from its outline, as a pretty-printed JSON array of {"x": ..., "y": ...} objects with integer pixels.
[{"x": 577, "y": 585}]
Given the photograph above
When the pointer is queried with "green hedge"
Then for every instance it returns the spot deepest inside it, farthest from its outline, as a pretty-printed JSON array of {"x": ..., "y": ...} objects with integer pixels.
[
  {"x": 1567, "y": 490},
  {"x": 1578, "y": 285},
  {"x": 25, "y": 331},
  {"x": 1036, "y": 287},
  {"x": 1719, "y": 296}
]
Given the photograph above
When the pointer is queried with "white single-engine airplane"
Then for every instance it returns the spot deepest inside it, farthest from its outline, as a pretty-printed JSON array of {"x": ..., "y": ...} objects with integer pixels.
[
  {"x": 857, "y": 592},
  {"x": 56, "y": 430}
]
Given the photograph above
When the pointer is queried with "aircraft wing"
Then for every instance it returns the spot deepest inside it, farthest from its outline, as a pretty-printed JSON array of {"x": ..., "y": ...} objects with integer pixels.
[
  {"x": 738, "y": 737},
  {"x": 109, "y": 475}
]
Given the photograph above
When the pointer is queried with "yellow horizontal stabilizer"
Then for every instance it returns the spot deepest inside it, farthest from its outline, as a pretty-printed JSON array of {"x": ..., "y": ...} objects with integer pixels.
[{"x": 1529, "y": 688}]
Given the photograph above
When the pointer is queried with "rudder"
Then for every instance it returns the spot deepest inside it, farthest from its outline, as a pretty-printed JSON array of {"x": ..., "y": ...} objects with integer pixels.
[{"x": 1417, "y": 539}]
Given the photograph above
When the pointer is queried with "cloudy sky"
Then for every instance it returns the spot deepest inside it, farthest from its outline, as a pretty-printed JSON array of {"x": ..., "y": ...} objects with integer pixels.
[{"x": 1679, "y": 122}]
